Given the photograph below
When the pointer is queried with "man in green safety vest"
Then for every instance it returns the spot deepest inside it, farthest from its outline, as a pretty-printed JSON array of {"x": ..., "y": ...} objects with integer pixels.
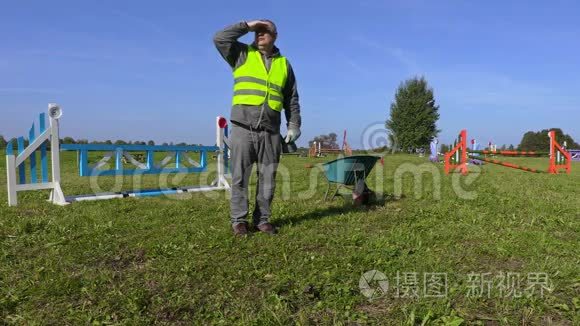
[{"x": 264, "y": 84}]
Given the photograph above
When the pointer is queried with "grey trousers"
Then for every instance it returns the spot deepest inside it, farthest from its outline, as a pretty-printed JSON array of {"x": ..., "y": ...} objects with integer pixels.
[{"x": 249, "y": 147}]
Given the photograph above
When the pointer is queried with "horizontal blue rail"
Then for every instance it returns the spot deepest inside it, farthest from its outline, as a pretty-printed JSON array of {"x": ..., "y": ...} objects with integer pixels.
[
  {"x": 148, "y": 167},
  {"x": 136, "y": 148},
  {"x": 97, "y": 172}
]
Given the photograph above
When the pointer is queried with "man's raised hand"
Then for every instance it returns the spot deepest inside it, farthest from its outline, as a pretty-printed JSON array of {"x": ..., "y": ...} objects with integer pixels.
[{"x": 256, "y": 25}]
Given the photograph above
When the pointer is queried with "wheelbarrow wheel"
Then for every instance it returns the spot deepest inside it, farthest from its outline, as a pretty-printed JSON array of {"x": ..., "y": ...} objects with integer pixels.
[
  {"x": 361, "y": 194},
  {"x": 366, "y": 198}
]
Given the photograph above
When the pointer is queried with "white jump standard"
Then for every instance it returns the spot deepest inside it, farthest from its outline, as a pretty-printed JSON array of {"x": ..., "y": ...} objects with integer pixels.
[{"x": 17, "y": 161}]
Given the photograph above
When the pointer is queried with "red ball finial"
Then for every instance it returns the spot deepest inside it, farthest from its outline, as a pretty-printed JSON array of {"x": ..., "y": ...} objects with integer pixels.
[{"x": 222, "y": 122}]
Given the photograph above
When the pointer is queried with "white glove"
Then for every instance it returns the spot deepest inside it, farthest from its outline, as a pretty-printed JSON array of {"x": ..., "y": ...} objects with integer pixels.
[{"x": 292, "y": 135}]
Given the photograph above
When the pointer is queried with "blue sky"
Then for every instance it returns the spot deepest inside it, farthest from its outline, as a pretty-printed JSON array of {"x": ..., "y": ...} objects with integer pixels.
[{"x": 140, "y": 70}]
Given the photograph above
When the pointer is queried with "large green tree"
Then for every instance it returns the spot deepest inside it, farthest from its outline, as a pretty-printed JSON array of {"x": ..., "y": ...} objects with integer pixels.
[
  {"x": 414, "y": 115},
  {"x": 540, "y": 141},
  {"x": 2, "y": 142}
]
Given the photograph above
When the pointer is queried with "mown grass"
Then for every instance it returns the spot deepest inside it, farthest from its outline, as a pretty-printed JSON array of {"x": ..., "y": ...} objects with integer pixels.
[{"x": 174, "y": 259}]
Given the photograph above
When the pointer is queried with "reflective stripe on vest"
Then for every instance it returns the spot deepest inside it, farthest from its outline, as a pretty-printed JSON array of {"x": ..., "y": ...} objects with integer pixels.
[{"x": 253, "y": 84}]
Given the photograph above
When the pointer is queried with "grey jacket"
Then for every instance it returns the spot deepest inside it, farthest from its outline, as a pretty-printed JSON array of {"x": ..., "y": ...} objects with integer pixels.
[{"x": 235, "y": 53}]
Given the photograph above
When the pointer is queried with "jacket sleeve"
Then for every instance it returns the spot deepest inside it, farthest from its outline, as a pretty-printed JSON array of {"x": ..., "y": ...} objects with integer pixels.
[
  {"x": 291, "y": 101},
  {"x": 226, "y": 42}
]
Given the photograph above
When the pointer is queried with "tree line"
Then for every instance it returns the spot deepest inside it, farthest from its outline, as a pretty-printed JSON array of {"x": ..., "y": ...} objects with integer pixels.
[
  {"x": 538, "y": 141},
  {"x": 446, "y": 148},
  {"x": 325, "y": 141}
]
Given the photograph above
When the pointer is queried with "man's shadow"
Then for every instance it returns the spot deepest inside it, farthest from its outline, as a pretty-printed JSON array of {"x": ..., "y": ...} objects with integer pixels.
[{"x": 344, "y": 207}]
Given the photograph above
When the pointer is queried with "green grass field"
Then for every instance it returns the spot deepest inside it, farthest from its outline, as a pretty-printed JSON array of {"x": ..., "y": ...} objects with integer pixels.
[{"x": 174, "y": 259}]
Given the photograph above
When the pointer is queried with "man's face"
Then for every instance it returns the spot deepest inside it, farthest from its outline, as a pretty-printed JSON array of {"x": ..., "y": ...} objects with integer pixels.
[{"x": 264, "y": 37}]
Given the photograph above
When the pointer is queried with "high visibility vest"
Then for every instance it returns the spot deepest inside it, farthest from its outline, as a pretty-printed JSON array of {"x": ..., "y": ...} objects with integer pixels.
[{"x": 253, "y": 84}]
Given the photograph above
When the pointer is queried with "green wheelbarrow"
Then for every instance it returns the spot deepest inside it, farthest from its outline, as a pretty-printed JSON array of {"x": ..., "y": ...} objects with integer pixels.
[{"x": 349, "y": 172}]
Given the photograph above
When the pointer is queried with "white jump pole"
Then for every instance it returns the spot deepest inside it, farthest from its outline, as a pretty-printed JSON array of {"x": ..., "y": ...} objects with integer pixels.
[
  {"x": 221, "y": 142},
  {"x": 11, "y": 179},
  {"x": 56, "y": 195}
]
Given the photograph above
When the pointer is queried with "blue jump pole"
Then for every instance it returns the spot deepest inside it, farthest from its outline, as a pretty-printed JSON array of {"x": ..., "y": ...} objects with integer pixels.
[{"x": 32, "y": 137}]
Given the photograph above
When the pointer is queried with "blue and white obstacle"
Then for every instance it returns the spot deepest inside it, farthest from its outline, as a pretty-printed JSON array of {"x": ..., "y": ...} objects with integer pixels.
[
  {"x": 16, "y": 167},
  {"x": 575, "y": 153}
]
